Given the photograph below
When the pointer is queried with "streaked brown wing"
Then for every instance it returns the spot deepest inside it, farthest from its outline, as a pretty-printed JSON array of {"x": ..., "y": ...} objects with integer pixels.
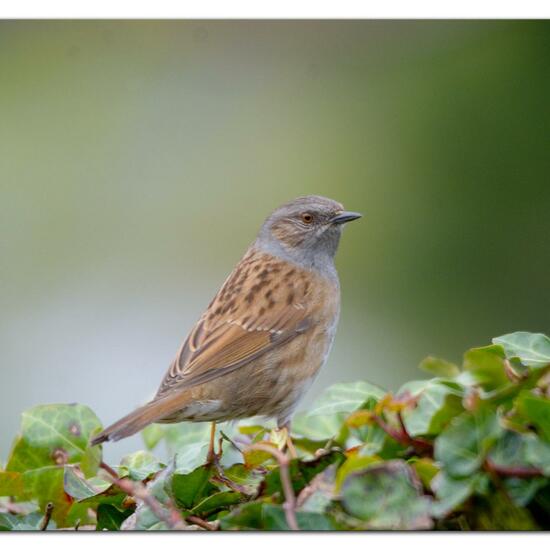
[{"x": 262, "y": 304}]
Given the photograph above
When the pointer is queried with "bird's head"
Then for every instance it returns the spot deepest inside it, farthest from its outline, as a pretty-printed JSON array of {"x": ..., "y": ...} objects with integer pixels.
[{"x": 306, "y": 229}]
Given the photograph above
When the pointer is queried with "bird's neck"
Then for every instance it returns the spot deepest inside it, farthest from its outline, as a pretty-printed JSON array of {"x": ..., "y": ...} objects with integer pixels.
[{"x": 314, "y": 260}]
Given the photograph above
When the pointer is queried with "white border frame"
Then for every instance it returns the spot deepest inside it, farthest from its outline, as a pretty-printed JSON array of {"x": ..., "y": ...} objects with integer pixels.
[{"x": 281, "y": 9}]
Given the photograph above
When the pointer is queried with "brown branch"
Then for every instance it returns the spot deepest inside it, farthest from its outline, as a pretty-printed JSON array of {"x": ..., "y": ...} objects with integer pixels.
[
  {"x": 513, "y": 471},
  {"x": 421, "y": 445},
  {"x": 289, "y": 505},
  {"x": 403, "y": 427},
  {"x": 402, "y": 436},
  {"x": 47, "y": 516},
  {"x": 220, "y": 476},
  {"x": 511, "y": 373},
  {"x": 171, "y": 517},
  {"x": 497, "y": 481},
  {"x": 201, "y": 523},
  {"x": 230, "y": 441}
]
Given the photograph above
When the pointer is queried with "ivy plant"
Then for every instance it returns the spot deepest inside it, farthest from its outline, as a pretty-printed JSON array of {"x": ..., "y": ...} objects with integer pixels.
[{"x": 468, "y": 449}]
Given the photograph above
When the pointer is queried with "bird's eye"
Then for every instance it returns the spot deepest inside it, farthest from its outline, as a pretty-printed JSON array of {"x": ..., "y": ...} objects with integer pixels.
[{"x": 307, "y": 217}]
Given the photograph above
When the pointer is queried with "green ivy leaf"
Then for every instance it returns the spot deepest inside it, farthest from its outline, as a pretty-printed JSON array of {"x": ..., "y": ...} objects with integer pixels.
[
  {"x": 522, "y": 491},
  {"x": 325, "y": 418},
  {"x": 486, "y": 366},
  {"x": 216, "y": 502},
  {"x": 520, "y": 450},
  {"x": 190, "y": 441},
  {"x": 52, "y": 436},
  {"x": 374, "y": 441},
  {"x": 387, "y": 496},
  {"x": 317, "y": 428},
  {"x": 271, "y": 517},
  {"x": 462, "y": 446},
  {"x": 537, "y": 453},
  {"x": 320, "y": 492},
  {"x": 45, "y": 485},
  {"x": 110, "y": 518},
  {"x": 439, "y": 367},
  {"x": 533, "y": 350},
  {"x": 189, "y": 489},
  {"x": 11, "y": 522},
  {"x": 90, "y": 461},
  {"x": 301, "y": 473},
  {"x": 29, "y": 522},
  {"x": 344, "y": 398},
  {"x": 246, "y": 517},
  {"x": 275, "y": 520},
  {"x": 354, "y": 463},
  {"x": 140, "y": 465},
  {"x": 536, "y": 410},
  {"x": 159, "y": 488},
  {"x": 451, "y": 493},
  {"x": 11, "y": 484},
  {"x": 425, "y": 469},
  {"x": 79, "y": 488},
  {"x": 436, "y": 405},
  {"x": 248, "y": 480}
]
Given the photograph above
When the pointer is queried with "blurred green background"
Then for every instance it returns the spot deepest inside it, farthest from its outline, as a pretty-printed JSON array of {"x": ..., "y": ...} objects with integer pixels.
[{"x": 139, "y": 158}]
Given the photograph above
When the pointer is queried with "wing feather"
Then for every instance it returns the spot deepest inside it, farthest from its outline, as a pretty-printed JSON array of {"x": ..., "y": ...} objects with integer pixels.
[{"x": 262, "y": 304}]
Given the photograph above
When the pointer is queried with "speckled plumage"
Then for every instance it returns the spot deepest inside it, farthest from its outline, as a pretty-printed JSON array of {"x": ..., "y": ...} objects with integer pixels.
[{"x": 265, "y": 335}]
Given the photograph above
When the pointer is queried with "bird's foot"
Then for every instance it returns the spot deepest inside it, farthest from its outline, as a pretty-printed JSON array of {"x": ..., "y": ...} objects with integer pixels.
[
  {"x": 212, "y": 456},
  {"x": 281, "y": 438}
]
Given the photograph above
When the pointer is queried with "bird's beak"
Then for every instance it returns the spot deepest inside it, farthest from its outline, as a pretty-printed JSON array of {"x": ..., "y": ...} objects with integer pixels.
[{"x": 345, "y": 217}]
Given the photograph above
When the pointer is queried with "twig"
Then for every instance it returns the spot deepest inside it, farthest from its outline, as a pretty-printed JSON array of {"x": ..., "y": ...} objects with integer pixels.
[
  {"x": 419, "y": 444},
  {"x": 220, "y": 476},
  {"x": 289, "y": 505},
  {"x": 402, "y": 437},
  {"x": 494, "y": 475},
  {"x": 201, "y": 523},
  {"x": 323, "y": 482},
  {"x": 47, "y": 516},
  {"x": 171, "y": 517},
  {"x": 511, "y": 373},
  {"x": 399, "y": 437},
  {"x": 230, "y": 441},
  {"x": 513, "y": 471}
]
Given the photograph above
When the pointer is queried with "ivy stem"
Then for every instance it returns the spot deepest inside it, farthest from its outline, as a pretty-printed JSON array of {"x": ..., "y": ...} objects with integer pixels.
[
  {"x": 421, "y": 445},
  {"x": 402, "y": 436},
  {"x": 230, "y": 441},
  {"x": 47, "y": 517},
  {"x": 398, "y": 436},
  {"x": 171, "y": 517},
  {"x": 201, "y": 523},
  {"x": 220, "y": 476},
  {"x": 513, "y": 471},
  {"x": 289, "y": 505}
]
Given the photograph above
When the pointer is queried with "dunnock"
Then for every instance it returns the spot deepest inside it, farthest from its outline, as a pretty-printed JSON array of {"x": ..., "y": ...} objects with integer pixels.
[{"x": 263, "y": 338}]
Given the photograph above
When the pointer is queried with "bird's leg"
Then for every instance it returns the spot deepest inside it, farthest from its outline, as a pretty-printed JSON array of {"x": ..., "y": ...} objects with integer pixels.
[
  {"x": 212, "y": 457},
  {"x": 284, "y": 430}
]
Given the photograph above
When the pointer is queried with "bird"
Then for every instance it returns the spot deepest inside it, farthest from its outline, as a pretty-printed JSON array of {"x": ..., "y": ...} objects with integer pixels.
[{"x": 262, "y": 340}]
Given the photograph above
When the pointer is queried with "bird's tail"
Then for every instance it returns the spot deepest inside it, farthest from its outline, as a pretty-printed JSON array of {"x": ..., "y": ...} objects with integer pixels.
[{"x": 137, "y": 420}]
